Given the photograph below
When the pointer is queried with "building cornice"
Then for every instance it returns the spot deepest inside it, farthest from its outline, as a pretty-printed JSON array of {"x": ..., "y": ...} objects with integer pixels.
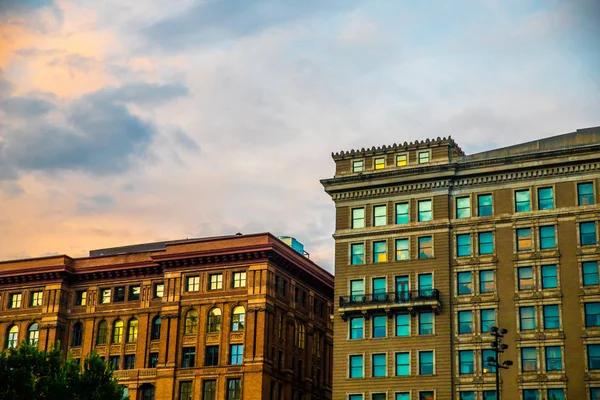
[{"x": 417, "y": 144}]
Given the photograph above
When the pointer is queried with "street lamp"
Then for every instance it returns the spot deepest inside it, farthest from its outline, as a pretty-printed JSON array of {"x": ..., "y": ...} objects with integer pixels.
[{"x": 498, "y": 347}]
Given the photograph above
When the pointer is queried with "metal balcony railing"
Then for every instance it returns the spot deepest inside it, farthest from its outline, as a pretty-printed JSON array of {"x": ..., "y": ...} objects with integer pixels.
[{"x": 390, "y": 298}]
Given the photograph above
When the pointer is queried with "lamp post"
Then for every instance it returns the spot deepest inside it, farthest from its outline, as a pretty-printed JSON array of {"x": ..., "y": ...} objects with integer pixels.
[{"x": 498, "y": 347}]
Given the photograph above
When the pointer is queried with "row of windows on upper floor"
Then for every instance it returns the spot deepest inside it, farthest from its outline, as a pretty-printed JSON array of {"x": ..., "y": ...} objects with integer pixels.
[
  {"x": 484, "y": 206},
  {"x": 233, "y": 389},
  {"x": 401, "y": 160},
  {"x": 424, "y": 395}
]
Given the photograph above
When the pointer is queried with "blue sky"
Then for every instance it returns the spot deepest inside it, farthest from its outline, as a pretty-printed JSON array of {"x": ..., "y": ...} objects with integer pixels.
[{"x": 125, "y": 122}]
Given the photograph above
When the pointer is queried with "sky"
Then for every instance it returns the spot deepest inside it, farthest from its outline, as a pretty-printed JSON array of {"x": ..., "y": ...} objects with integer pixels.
[{"x": 126, "y": 122}]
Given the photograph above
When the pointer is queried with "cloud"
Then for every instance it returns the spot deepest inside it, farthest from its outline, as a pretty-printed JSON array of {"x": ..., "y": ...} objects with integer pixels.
[
  {"x": 96, "y": 204},
  {"x": 10, "y": 7}
]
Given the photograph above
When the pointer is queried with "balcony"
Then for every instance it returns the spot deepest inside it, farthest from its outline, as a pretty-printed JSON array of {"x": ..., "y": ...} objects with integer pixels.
[{"x": 410, "y": 301}]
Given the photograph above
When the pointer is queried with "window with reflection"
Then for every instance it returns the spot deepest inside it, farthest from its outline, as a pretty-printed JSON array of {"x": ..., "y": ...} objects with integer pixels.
[
  {"x": 214, "y": 320},
  {"x": 117, "y": 335},
  {"x": 191, "y": 322}
]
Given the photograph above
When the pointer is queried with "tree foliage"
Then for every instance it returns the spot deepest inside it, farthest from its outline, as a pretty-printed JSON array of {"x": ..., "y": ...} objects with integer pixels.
[{"x": 27, "y": 373}]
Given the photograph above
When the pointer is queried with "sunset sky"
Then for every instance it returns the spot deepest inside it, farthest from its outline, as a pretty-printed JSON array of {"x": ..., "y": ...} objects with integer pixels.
[{"x": 125, "y": 122}]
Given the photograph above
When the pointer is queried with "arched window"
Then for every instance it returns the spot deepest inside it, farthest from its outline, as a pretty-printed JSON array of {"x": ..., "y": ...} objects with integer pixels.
[
  {"x": 77, "y": 334},
  {"x": 155, "y": 331},
  {"x": 214, "y": 320},
  {"x": 117, "y": 333},
  {"x": 132, "y": 330},
  {"x": 12, "y": 337},
  {"x": 147, "y": 391},
  {"x": 237, "y": 319},
  {"x": 102, "y": 333},
  {"x": 191, "y": 322},
  {"x": 34, "y": 334},
  {"x": 300, "y": 339}
]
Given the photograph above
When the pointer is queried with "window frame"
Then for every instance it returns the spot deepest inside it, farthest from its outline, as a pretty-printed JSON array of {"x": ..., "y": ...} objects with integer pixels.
[
  {"x": 581, "y": 196},
  {"x": 217, "y": 283},
  {"x": 481, "y": 243},
  {"x": 462, "y": 323},
  {"x": 237, "y": 278},
  {"x": 374, "y": 366},
  {"x": 407, "y": 213},
  {"x": 529, "y": 360},
  {"x": 377, "y": 219},
  {"x": 585, "y": 264},
  {"x": 352, "y": 368},
  {"x": 546, "y": 277},
  {"x": 423, "y": 160},
  {"x": 482, "y": 282},
  {"x": 192, "y": 283},
  {"x": 546, "y": 203},
  {"x": 459, "y": 208},
  {"x": 425, "y": 252},
  {"x": 428, "y": 214},
  {"x": 420, "y": 361},
  {"x": 543, "y": 234},
  {"x": 398, "y": 162},
  {"x": 358, "y": 166},
  {"x": 406, "y": 364},
  {"x": 588, "y": 234},
  {"x": 484, "y": 206},
  {"x": 527, "y": 322},
  {"x": 463, "y": 249},
  {"x": 356, "y": 256},
  {"x": 467, "y": 363},
  {"x": 520, "y": 203},
  {"x": 460, "y": 284},
  {"x": 358, "y": 222},
  {"x": 379, "y": 163},
  {"x": 379, "y": 256}
]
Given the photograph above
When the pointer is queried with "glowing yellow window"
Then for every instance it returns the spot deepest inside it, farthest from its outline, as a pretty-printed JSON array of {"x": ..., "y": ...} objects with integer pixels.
[
  {"x": 380, "y": 163},
  {"x": 401, "y": 160}
]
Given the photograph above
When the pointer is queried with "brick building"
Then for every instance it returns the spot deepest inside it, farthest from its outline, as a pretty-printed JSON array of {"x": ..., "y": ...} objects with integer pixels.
[
  {"x": 223, "y": 318},
  {"x": 433, "y": 247}
]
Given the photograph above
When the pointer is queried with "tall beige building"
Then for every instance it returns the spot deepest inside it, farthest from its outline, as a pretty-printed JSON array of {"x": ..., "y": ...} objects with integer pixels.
[{"x": 433, "y": 247}]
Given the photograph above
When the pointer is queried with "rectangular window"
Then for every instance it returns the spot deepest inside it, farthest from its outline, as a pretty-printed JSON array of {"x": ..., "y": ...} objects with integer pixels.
[
  {"x": 234, "y": 389},
  {"x": 488, "y": 319},
  {"x": 185, "y": 390},
  {"x": 463, "y": 245},
  {"x": 401, "y": 160},
  {"x": 484, "y": 205},
  {"x": 115, "y": 362},
  {"x": 134, "y": 293},
  {"x": 549, "y": 280},
  {"x": 525, "y": 278},
  {"x": 585, "y": 193},
  {"x": 547, "y": 238},
  {"x": 119, "y": 294},
  {"x": 239, "y": 279},
  {"x": 152, "y": 360},
  {"x": 527, "y": 318},
  {"x": 354, "y": 397},
  {"x": 402, "y": 364},
  {"x": 545, "y": 198},
  {"x": 465, "y": 361},
  {"x": 464, "y": 281},
  {"x": 402, "y": 213},
  {"x": 587, "y": 233},
  {"x": 524, "y": 241},
  {"x": 105, "y": 296},
  {"x": 379, "y": 215},
  {"x": 402, "y": 396},
  {"x": 403, "y": 325},
  {"x": 489, "y": 395},
  {"x": 188, "y": 357},
  {"x": 425, "y": 213},
  {"x": 467, "y": 395},
  {"x": 426, "y": 363},
  {"x": 425, "y": 284},
  {"x": 529, "y": 359},
  {"x": 378, "y": 396},
  {"x": 129, "y": 361},
  {"x": 81, "y": 298},
  {"x": 486, "y": 243},
  {"x": 423, "y": 157},
  {"x": 425, "y": 247},
  {"x": 426, "y": 395},
  {"x": 553, "y": 358},
  {"x": 356, "y": 366},
  {"x": 592, "y": 314},
  {"x": 358, "y": 218},
  {"x": 379, "y": 286},
  {"x": 487, "y": 283},
  {"x": 379, "y": 251},
  {"x": 425, "y": 323},
  {"x": 590, "y": 273},
  {"x": 357, "y": 328},
  {"x": 551, "y": 318},
  {"x": 379, "y": 365},
  {"x": 236, "y": 354},
  {"x": 357, "y": 251},
  {"x": 463, "y": 207},
  {"x": 531, "y": 394},
  {"x": 402, "y": 249},
  {"x": 36, "y": 299},
  {"x": 465, "y": 322},
  {"x": 159, "y": 290},
  {"x": 595, "y": 394},
  {"x": 215, "y": 281},
  {"x": 556, "y": 394},
  {"x": 593, "y": 356},
  {"x": 193, "y": 283},
  {"x": 488, "y": 360},
  {"x": 380, "y": 163},
  {"x": 522, "y": 201},
  {"x": 357, "y": 290},
  {"x": 379, "y": 326},
  {"x": 357, "y": 166},
  {"x": 402, "y": 288}
]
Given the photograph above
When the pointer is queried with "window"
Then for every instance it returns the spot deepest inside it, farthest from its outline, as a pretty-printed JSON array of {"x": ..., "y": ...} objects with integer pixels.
[
  {"x": 402, "y": 288},
  {"x": 403, "y": 396},
  {"x": 119, "y": 294},
  {"x": 379, "y": 365},
  {"x": 211, "y": 357},
  {"x": 403, "y": 325},
  {"x": 425, "y": 213},
  {"x": 467, "y": 396},
  {"x": 15, "y": 300},
  {"x": 379, "y": 289},
  {"x": 530, "y": 394},
  {"x": 12, "y": 337},
  {"x": 234, "y": 389},
  {"x": 209, "y": 389},
  {"x": 401, "y": 160},
  {"x": 593, "y": 356},
  {"x": 236, "y": 354},
  {"x": 153, "y": 360},
  {"x": 379, "y": 215},
  {"x": 402, "y": 364},
  {"x": 463, "y": 245},
  {"x": 36, "y": 299},
  {"x": 379, "y": 252},
  {"x": 216, "y": 281},
  {"x": 300, "y": 338},
  {"x": 489, "y": 395},
  {"x": 80, "y": 298},
  {"x": 486, "y": 356},
  {"x": 486, "y": 281},
  {"x": 585, "y": 193},
  {"x": 590, "y": 273},
  {"x": 426, "y": 363},
  {"x": 529, "y": 359},
  {"x": 129, "y": 361},
  {"x": 524, "y": 241},
  {"x": 102, "y": 333},
  {"x": 159, "y": 290},
  {"x": 545, "y": 199},
  {"x": 380, "y": 163},
  {"x": 117, "y": 335},
  {"x": 557, "y": 394},
  {"x": 77, "y": 334},
  {"x": 425, "y": 247},
  {"x": 188, "y": 357},
  {"x": 549, "y": 277},
  {"x": 134, "y": 293},
  {"x": 486, "y": 243},
  {"x": 34, "y": 334},
  {"x": 465, "y": 322},
  {"x": 522, "y": 201},
  {"x": 357, "y": 328},
  {"x": 185, "y": 390},
  {"x": 357, "y": 290},
  {"x": 191, "y": 322},
  {"x": 237, "y": 319},
  {"x": 357, "y": 251},
  {"x": 193, "y": 283},
  {"x": 155, "y": 329},
  {"x": 488, "y": 319},
  {"x": 357, "y": 166},
  {"x": 148, "y": 392},
  {"x": 425, "y": 284},
  {"x": 402, "y": 249},
  {"x": 214, "y": 320},
  {"x": 463, "y": 207},
  {"x": 115, "y": 362},
  {"x": 239, "y": 279},
  {"x": 553, "y": 358},
  {"x": 425, "y": 323},
  {"x": 379, "y": 326},
  {"x": 132, "y": 330},
  {"x": 547, "y": 239},
  {"x": 355, "y": 397},
  {"x": 484, "y": 205},
  {"x": 527, "y": 318},
  {"x": 464, "y": 281},
  {"x": 465, "y": 361},
  {"x": 423, "y": 157},
  {"x": 525, "y": 275},
  {"x": 358, "y": 218},
  {"x": 356, "y": 366},
  {"x": 105, "y": 299},
  {"x": 402, "y": 213},
  {"x": 428, "y": 395},
  {"x": 592, "y": 314},
  {"x": 587, "y": 232},
  {"x": 551, "y": 318},
  {"x": 595, "y": 394}
]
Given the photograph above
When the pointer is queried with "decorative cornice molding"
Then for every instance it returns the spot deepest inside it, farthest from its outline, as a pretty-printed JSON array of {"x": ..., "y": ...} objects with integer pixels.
[{"x": 417, "y": 144}]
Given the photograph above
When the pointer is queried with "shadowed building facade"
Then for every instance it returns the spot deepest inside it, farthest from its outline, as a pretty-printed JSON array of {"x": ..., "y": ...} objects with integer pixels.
[
  {"x": 433, "y": 247},
  {"x": 223, "y": 318}
]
